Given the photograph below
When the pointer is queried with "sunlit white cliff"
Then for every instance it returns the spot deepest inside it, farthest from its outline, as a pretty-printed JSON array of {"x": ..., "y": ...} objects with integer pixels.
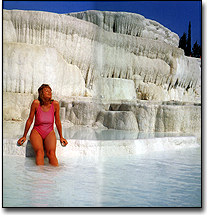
[
  {"x": 107, "y": 69},
  {"x": 129, "y": 24},
  {"x": 78, "y": 54}
]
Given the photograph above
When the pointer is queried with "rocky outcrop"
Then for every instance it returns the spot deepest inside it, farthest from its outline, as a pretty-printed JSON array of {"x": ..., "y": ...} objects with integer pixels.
[
  {"x": 110, "y": 70},
  {"x": 26, "y": 66},
  {"x": 16, "y": 106},
  {"x": 129, "y": 24},
  {"x": 148, "y": 117},
  {"x": 145, "y": 117},
  {"x": 75, "y": 53},
  {"x": 83, "y": 113},
  {"x": 119, "y": 120},
  {"x": 165, "y": 117}
]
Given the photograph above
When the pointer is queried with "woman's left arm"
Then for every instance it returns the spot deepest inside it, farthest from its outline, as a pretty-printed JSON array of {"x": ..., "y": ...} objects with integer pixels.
[{"x": 58, "y": 122}]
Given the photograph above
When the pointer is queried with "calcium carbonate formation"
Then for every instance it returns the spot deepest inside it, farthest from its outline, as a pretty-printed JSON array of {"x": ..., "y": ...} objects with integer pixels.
[
  {"x": 95, "y": 61},
  {"x": 109, "y": 55}
]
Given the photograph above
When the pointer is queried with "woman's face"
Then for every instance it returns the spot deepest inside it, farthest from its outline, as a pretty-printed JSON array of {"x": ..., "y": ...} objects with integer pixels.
[{"x": 47, "y": 93}]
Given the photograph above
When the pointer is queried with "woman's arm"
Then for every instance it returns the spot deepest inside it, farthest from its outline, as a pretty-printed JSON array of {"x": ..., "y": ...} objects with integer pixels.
[
  {"x": 28, "y": 122},
  {"x": 58, "y": 122}
]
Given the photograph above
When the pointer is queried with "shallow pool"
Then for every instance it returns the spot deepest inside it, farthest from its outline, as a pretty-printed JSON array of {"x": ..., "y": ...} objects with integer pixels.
[
  {"x": 86, "y": 133},
  {"x": 162, "y": 179}
]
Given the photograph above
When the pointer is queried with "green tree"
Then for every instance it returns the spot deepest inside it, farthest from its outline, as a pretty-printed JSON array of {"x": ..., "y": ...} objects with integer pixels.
[
  {"x": 196, "y": 50},
  {"x": 188, "y": 45},
  {"x": 182, "y": 42}
]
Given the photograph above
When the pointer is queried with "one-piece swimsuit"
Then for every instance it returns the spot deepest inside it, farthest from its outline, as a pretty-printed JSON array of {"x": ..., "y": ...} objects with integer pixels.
[{"x": 44, "y": 121}]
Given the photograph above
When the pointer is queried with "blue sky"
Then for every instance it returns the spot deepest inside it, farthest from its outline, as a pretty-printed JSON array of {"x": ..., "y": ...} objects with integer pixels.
[{"x": 174, "y": 15}]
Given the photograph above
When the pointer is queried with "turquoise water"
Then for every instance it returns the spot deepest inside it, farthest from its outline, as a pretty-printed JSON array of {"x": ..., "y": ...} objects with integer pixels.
[{"x": 164, "y": 179}]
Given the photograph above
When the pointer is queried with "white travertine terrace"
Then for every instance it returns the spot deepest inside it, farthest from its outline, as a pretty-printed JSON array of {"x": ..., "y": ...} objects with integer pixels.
[
  {"x": 63, "y": 50},
  {"x": 129, "y": 24},
  {"x": 107, "y": 69}
]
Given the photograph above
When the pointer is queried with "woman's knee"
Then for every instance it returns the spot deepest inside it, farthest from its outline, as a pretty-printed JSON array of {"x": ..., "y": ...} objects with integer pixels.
[
  {"x": 52, "y": 157},
  {"x": 50, "y": 153},
  {"x": 40, "y": 153},
  {"x": 40, "y": 157}
]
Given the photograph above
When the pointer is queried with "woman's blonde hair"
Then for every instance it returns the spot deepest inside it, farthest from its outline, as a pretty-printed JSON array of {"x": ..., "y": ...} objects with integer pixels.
[{"x": 40, "y": 92}]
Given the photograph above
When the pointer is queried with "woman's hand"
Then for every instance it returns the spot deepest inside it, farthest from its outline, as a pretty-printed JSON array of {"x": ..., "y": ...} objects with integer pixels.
[
  {"x": 21, "y": 141},
  {"x": 63, "y": 141}
]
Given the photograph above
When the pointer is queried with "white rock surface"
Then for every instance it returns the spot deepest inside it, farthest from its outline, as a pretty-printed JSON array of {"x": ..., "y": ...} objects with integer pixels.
[
  {"x": 27, "y": 66},
  {"x": 98, "y": 149},
  {"x": 161, "y": 117},
  {"x": 130, "y": 24},
  {"x": 93, "y": 59},
  {"x": 16, "y": 106},
  {"x": 83, "y": 113},
  {"x": 83, "y": 52},
  {"x": 114, "y": 89},
  {"x": 119, "y": 120}
]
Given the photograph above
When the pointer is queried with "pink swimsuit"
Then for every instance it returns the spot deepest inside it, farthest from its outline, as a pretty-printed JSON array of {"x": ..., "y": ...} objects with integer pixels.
[{"x": 44, "y": 121}]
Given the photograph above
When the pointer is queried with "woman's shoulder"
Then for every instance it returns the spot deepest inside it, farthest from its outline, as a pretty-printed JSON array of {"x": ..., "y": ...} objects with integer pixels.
[
  {"x": 36, "y": 102},
  {"x": 55, "y": 103}
]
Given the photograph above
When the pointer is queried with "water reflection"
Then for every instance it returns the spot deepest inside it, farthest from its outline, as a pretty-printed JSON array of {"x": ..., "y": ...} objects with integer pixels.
[{"x": 86, "y": 133}]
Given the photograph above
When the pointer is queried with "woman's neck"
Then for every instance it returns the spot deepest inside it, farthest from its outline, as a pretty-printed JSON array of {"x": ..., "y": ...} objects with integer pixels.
[{"x": 45, "y": 103}]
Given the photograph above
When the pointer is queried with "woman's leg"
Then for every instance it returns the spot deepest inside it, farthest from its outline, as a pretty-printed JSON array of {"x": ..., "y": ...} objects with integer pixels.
[
  {"x": 37, "y": 144},
  {"x": 50, "y": 147}
]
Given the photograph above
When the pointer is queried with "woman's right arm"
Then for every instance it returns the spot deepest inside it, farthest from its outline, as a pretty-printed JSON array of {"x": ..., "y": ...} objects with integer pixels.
[{"x": 29, "y": 122}]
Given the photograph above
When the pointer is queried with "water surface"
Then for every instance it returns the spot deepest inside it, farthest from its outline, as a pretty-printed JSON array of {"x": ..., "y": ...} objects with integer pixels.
[
  {"x": 162, "y": 179},
  {"x": 86, "y": 133}
]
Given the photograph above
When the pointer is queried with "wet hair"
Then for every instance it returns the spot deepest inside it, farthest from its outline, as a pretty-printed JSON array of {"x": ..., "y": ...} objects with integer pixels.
[{"x": 40, "y": 93}]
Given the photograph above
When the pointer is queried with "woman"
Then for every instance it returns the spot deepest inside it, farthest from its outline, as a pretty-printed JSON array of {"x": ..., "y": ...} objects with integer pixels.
[{"x": 44, "y": 109}]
